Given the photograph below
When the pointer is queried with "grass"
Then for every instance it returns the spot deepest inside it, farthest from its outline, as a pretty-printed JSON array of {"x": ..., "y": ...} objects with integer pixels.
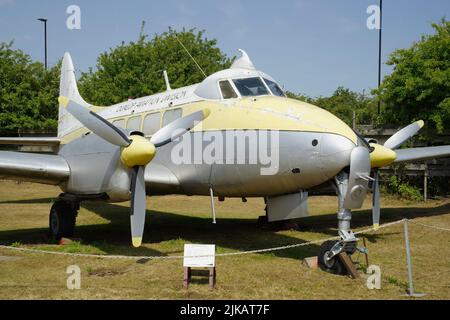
[{"x": 103, "y": 228}]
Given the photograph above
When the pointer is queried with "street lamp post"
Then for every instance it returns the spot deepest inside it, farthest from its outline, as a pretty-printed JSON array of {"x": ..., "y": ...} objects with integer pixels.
[
  {"x": 379, "y": 52},
  {"x": 45, "y": 39}
]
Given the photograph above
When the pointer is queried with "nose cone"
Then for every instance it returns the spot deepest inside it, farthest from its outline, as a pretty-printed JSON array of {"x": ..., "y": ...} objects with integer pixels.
[
  {"x": 335, "y": 153},
  {"x": 381, "y": 156}
]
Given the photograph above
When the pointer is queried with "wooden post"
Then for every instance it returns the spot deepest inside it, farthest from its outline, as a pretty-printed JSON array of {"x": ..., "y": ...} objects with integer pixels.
[
  {"x": 349, "y": 265},
  {"x": 366, "y": 254},
  {"x": 354, "y": 120},
  {"x": 425, "y": 184},
  {"x": 186, "y": 277},
  {"x": 212, "y": 277}
]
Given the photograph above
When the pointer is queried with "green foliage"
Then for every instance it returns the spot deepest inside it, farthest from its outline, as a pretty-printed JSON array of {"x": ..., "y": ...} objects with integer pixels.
[
  {"x": 403, "y": 189},
  {"x": 16, "y": 244},
  {"x": 28, "y": 93},
  {"x": 396, "y": 282},
  {"x": 135, "y": 69},
  {"x": 419, "y": 86},
  {"x": 342, "y": 103}
]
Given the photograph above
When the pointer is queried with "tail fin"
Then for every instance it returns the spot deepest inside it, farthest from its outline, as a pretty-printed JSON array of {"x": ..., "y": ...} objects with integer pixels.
[{"x": 68, "y": 88}]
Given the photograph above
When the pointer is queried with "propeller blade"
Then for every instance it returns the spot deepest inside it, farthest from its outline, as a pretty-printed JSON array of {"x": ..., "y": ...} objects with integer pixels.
[
  {"x": 376, "y": 200},
  {"x": 98, "y": 125},
  {"x": 138, "y": 205},
  {"x": 177, "y": 128},
  {"x": 404, "y": 134},
  {"x": 358, "y": 180}
]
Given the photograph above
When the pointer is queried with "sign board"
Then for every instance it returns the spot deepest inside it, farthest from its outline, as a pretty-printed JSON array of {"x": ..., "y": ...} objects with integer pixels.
[{"x": 199, "y": 255}]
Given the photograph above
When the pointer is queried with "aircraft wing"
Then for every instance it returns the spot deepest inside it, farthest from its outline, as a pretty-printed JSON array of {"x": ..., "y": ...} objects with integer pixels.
[
  {"x": 414, "y": 154},
  {"x": 30, "y": 141},
  {"x": 41, "y": 168}
]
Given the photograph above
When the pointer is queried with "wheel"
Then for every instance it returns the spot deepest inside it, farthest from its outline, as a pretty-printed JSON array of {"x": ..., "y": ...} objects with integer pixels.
[
  {"x": 62, "y": 219},
  {"x": 333, "y": 265}
]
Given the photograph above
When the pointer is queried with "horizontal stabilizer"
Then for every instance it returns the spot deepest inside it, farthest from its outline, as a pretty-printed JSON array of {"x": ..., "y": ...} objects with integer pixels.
[
  {"x": 30, "y": 141},
  {"x": 414, "y": 154}
]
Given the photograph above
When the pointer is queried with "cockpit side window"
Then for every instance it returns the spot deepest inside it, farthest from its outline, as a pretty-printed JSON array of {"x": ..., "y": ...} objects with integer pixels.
[
  {"x": 275, "y": 88},
  {"x": 227, "y": 90},
  {"x": 250, "y": 87}
]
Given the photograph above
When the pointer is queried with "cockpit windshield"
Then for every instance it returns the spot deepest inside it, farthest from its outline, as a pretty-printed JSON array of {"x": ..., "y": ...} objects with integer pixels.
[
  {"x": 250, "y": 87},
  {"x": 275, "y": 88}
]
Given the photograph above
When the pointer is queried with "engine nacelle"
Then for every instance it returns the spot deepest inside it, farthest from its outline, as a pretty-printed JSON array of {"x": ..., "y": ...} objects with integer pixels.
[{"x": 96, "y": 168}]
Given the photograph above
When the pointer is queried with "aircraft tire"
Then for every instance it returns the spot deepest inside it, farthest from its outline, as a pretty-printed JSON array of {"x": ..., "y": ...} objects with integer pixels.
[
  {"x": 62, "y": 219},
  {"x": 334, "y": 265}
]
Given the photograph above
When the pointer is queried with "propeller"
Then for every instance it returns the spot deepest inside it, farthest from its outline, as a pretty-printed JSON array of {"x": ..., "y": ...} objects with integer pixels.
[
  {"x": 137, "y": 152},
  {"x": 382, "y": 156},
  {"x": 404, "y": 134}
]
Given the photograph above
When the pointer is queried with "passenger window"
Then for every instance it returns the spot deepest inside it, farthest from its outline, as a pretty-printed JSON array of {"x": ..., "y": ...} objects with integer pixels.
[
  {"x": 227, "y": 90},
  {"x": 119, "y": 123},
  {"x": 151, "y": 123},
  {"x": 171, "y": 115},
  {"x": 134, "y": 123}
]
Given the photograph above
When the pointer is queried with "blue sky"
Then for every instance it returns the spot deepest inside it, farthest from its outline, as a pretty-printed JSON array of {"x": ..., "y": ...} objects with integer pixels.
[{"x": 309, "y": 46}]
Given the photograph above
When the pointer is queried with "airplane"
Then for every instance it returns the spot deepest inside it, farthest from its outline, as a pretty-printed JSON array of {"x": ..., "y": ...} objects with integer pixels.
[{"x": 286, "y": 151}]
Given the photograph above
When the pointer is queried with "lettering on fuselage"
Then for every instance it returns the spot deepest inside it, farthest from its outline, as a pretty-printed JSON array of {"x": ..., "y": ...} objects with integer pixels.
[{"x": 135, "y": 105}]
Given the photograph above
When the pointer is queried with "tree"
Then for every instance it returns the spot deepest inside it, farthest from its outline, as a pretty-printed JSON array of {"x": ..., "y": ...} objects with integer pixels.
[
  {"x": 342, "y": 103},
  {"x": 28, "y": 93},
  {"x": 135, "y": 69},
  {"x": 419, "y": 86}
]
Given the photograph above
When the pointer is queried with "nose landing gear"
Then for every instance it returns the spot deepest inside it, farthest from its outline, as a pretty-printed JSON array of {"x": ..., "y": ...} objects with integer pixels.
[
  {"x": 329, "y": 251},
  {"x": 329, "y": 259}
]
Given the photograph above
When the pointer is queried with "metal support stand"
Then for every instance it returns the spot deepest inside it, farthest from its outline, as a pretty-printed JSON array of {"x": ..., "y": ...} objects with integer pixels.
[
  {"x": 408, "y": 256},
  {"x": 211, "y": 193}
]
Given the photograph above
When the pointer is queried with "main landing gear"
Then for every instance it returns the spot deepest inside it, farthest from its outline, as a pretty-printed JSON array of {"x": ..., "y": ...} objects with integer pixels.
[{"x": 63, "y": 216}]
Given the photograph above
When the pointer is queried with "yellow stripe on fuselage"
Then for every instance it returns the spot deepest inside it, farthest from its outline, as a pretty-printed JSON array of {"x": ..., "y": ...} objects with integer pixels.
[
  {"x": 270, "y": 113},
  {"x": 257, "y": 113}
]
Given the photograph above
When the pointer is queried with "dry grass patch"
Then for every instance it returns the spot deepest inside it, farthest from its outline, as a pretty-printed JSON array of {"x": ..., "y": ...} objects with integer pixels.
[{"x": 174, "y": 220}]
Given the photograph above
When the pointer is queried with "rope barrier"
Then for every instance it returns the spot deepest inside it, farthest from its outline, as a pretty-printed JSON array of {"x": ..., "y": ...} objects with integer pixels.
[
  {"x": 429, "y": 226},
  {"x": 181, "y": 257},
  {"x": 87, "y": 255}
]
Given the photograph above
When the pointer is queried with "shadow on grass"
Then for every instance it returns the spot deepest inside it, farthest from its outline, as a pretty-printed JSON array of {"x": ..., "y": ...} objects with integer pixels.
[
  {"x": 30, "y": 201},
  {"x": 327, "y": 223},
  {"x": 167, "y": 229}
]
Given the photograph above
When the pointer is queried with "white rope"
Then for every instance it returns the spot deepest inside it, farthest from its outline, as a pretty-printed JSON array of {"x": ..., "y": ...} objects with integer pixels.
[
  {"x": 87, "y": 255},
  {"x": 429, "y": 226}
]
